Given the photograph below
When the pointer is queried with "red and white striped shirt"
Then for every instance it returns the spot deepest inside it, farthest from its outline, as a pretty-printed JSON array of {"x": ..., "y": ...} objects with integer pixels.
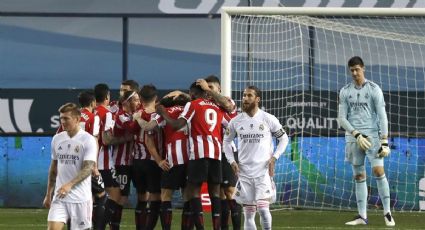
[
  {"x": 176, "y": 143},
  {"x": 141, "y": 152},
  {"x": 124, "y": 125},
  {"x": 205, "y": 119},
  {"x": 104, "y": 161}
]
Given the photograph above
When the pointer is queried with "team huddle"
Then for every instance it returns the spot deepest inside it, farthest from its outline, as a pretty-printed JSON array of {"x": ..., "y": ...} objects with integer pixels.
[
  {"x": 185, "y": 140},
  {"x": 159, "y": 146}
]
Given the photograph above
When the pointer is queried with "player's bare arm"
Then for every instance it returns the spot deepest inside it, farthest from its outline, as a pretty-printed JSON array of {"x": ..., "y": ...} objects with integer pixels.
[
  {"x": 150, "y": 144},
  {"x": 221, "y": 100},
  {"x": 145, "y": 125},
  {"x": 272, "y": 163},
  {"x": 176, "y": 93},
  {"x": 235, "y": 168},
  {"x": 85, "y": 171},
  {"x": 108, "y": 138},
  {"x": 51, "y": 182},
  {"x": 176, "y": 124}
]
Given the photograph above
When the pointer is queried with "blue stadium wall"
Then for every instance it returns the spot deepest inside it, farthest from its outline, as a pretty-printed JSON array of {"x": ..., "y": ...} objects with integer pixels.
[{"x": 325, "y": 178}]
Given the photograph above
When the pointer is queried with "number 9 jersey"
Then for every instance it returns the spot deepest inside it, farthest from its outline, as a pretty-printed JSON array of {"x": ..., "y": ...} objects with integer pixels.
[{"x": 205, "y": 120}]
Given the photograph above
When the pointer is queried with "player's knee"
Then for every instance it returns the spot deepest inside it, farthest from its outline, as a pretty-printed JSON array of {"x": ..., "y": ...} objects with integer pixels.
[
  {"x": 214, "y": 190},
  {"x": 249, "y": 210},
  {"x": 114, "y": 193},
  {"x": 359, "y": 172},
  {"x": 123, "y": 200},
  {"x": 228, "y": 192},
  {"x": 154, "y": 196},
  {"x": 378, "y": 171},
  {"x": 263, "y": 205},
  {"x": 166, "y": 194}
]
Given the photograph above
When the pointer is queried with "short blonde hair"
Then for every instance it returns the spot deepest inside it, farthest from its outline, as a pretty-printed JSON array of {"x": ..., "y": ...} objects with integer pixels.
[{"x": 70, "y": 107}]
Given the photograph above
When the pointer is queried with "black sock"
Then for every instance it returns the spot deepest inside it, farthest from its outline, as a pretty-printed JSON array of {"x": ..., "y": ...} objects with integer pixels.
[
  {"x": 110, "y": 209},
  {"x": 116, "y": 217},
  {"x": 98, "y": 215},
  {"x": 152, "y": 214},
  {"x": 187, "y": 217},
  {"x": 166, "y": 215},
  {"x": 224, "y": 215},
  {"x": 216, "y": 212},
  {"x": 140, "y": 215},
  {"x": 236, "y": 210},
  {"x": 197, "y": 213}
]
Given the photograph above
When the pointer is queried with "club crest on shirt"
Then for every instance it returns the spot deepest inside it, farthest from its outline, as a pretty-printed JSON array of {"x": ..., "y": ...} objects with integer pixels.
[
  {"x": 227, "y": 131},
  {"x": 366, "y": 96},
  {"x": 77, "y": 149},
  {"x": 261, "y": 127},
  {"x": 251, "y": 126}
]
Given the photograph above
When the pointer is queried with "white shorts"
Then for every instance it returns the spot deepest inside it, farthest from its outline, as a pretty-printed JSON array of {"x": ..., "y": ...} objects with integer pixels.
[
  {"x": 356, "y": 156},
  {"x": 249, "y": 190},
  {"x": 79, "y": 214}
]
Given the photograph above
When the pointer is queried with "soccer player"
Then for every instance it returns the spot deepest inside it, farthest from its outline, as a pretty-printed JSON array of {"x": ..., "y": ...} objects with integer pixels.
[
  {"x": 174, "y": 166},
  {"x": 147, "y": 173},
  {"x": 105, "y": 163},
  {"x": 362, "y": 114},
  {"x": 205, "y": 118},
  {"x": 211, "y": 84},
  {"x": 254, "y": 130},
  {"x": 73, "y": 157},
  {"x": 123, "y": 152},
  {"x": 90, "y": 123}
]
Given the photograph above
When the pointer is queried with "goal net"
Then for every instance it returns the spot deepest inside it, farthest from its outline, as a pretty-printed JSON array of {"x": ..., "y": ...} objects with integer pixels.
[{"x": 298, "y": 58}]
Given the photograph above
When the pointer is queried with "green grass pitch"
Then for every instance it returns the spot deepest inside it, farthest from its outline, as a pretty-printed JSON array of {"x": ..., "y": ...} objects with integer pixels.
[{"x": 282, "y": 219}]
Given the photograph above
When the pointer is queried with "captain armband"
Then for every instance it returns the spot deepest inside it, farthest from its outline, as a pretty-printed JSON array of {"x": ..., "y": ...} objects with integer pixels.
[{"x": 279, "y": 133}]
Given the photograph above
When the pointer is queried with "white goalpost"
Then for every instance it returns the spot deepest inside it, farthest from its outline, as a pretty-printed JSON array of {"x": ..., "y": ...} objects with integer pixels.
[{"x": 298, "y": 58}]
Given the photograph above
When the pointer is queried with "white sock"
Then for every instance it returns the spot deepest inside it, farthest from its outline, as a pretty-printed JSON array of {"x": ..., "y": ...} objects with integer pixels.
[
  {"x": 249, "y": 220},
  {"x": 384, "y": 192},
  {"x": 361, "y": 197},
  {"x": 265, "y": 215}
]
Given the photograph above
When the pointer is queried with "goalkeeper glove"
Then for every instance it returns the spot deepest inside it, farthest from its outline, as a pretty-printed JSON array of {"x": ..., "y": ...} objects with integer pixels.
[
  {"x": 385, "y": 149},
  {"x": 362, "y": 140}
]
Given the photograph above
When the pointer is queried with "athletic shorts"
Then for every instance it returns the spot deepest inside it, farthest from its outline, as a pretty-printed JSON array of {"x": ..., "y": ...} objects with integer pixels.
[
  {"x": 79, "y": 214},
  {"x": 147, "y": 176},
  {"x": 124, "y": 176},
  {"x": 175, "y": 178},
  {"x": 109, "y": 178},
  {"x": 229, "y": 178},
  {"x": 356, "y": 156},
  {"x": 204, "y": 170},
  {"x": 97, "y": 185},
  {"x": 250, "y": 190}
]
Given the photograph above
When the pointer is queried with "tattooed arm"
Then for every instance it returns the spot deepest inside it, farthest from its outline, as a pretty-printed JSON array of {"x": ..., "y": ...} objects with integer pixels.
[
  {"x": 85, "y": 171},
  {"x": 51, "y": 182}
]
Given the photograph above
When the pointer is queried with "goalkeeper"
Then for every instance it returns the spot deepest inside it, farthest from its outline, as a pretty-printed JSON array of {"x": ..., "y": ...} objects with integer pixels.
[{"x": 362, "y": 114}]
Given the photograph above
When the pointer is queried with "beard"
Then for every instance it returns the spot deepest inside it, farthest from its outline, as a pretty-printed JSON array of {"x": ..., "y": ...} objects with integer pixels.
[{"x": 248, "y": 107}]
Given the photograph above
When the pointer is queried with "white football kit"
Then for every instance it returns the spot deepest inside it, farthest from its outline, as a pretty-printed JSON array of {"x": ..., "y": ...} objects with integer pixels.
[
  {"x": 70, "y": 154},
  {"x": 255, "y": 148}
]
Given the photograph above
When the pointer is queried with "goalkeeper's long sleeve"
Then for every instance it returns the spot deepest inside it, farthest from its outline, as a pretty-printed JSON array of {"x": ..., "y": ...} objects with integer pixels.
[
  {"x": 342, "y": 117},
  {"x": 380, "y": 111}
]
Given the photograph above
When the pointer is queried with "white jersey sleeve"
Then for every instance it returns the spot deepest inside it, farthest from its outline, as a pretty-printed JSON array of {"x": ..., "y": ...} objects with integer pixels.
[{"x": 90, "y": 149}]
